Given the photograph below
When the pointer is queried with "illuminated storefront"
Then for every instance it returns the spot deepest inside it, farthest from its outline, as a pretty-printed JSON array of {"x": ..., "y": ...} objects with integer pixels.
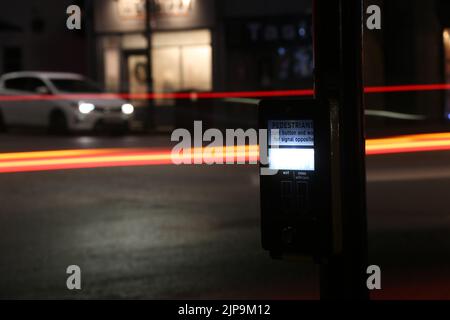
[
  {"x": 201, "y": 45},
  {"x": 181, "y": 43},
  {"x": 177, "y": 38}
]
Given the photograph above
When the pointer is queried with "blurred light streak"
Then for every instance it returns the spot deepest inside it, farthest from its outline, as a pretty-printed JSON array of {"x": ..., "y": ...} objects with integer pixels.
[
  {"x": 159, "y": 96},
  {"x": 104, "y": 158},
  {"x": 217, "y": 95},
  {"x": 53, "y": 154},
  {"x": 408, "y": 88},
  {"x": 394, "y": 115},
  {"x": 409, "y": 144}
]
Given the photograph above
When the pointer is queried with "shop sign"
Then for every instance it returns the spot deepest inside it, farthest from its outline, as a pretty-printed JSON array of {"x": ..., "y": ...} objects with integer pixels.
[{"x": 173, "y": 7}]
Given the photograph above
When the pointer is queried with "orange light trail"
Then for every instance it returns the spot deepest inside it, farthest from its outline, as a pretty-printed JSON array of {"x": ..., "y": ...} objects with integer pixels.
[
  {"x": 409, "y": 144},
  {"x": 104, "y": 158}
]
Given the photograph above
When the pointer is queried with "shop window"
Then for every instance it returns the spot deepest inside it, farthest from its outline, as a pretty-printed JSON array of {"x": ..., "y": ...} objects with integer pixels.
[
  {"x": 112, "y": 69},
  {"x": 182, "y": 61}
]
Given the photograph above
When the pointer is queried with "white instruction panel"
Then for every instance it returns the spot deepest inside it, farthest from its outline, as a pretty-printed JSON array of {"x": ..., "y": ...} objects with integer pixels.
[{"x": 291, "y": 133}]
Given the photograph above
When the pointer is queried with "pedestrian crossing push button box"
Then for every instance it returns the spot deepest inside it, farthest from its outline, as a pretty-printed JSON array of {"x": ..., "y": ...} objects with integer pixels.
[{"x": 295, "y": 178}]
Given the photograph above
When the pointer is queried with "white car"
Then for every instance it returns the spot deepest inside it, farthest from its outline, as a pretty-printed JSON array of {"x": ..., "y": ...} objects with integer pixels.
[{"x": 32, "y": 99}]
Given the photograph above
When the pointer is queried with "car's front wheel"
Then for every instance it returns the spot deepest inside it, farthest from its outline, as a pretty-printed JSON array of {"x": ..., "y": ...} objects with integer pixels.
[{"x": 58, "y": 123}]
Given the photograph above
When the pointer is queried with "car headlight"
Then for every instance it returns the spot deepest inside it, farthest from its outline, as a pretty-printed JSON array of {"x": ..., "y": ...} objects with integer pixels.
[
  {"x": 86, "y": 108},
  {"x": 127, "y": 108}
]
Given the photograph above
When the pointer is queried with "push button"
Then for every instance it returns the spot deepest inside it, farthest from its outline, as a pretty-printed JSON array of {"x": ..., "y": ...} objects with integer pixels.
[
  {"x": 288, "y": 236},
  {"x": 302, "y": 195},
  {"x": 287, "y": 196},
  {"x": 286, "y": 189}
]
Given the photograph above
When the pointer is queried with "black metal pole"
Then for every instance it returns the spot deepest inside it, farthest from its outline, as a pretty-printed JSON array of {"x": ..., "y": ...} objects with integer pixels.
[
  {"x": 338, "y": 27},
  {"x": 90, "y": 39},
  {"x": 148, "y": 34}
]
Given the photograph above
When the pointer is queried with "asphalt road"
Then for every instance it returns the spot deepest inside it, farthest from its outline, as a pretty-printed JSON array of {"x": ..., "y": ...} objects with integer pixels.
[{"x": 193, "y": 231}]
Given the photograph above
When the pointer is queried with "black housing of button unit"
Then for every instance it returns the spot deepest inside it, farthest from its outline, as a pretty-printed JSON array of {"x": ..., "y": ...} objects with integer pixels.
[{"x": 296, "y": 206}]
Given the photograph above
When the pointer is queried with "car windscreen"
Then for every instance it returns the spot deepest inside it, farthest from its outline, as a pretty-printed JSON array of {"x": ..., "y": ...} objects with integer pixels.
[{"x": 75, "y": 86}]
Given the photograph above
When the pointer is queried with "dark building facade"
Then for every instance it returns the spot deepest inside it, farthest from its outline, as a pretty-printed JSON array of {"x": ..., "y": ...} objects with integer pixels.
[
  {"x": 34, "y": 36},
  {"x": 205, "y": 45},
  {"x": 410, "y": 49},
  {"x": 202, "y": 45},
  {"x": 226, "y": 45}
]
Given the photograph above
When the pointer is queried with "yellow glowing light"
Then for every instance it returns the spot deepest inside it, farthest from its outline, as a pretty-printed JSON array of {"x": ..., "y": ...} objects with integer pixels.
[
  {"x": 54, "y": 154},
  {"x": 446, "y": 35}
]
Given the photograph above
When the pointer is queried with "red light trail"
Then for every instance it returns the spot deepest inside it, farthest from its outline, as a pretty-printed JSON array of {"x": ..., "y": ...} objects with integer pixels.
[
  {"x": 408, "y": 88},
  {"x": 218, "y": 95}
]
